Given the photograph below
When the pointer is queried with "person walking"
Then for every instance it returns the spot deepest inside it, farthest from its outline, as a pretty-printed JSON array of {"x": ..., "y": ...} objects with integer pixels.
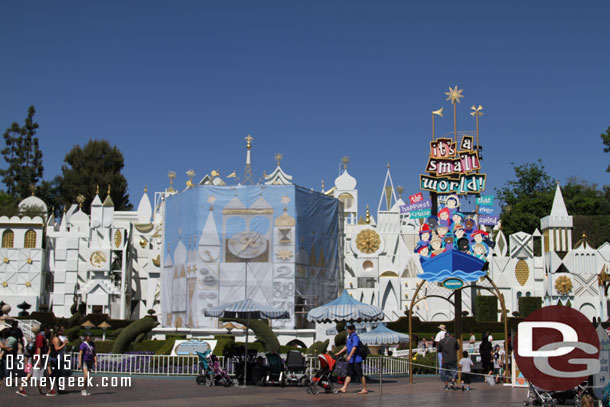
[
  {"x": 437, "y": 339},
  {"x": 449, "y": 347},
  {"x": 485, "y": 352},
  {"x": 56, "y": 350},
  {"x": 471, "y": 342},
  {"x": 87, "y": 360},
  {"x": 466, "y": 368},
  {"x": 354, "y": 360}
]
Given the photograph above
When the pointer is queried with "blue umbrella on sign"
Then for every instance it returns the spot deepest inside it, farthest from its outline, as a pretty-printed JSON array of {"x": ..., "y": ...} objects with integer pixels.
[
  {"x": 345, "y": 308},
  {"x": 382, "y": 335}
]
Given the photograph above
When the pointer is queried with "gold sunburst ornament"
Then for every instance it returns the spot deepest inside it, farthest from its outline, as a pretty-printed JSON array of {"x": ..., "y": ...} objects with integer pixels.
[
  {"x": 563, "y": 285},
  {"x": 368, "y": 241},
  {"x": 454, "y": 95}
]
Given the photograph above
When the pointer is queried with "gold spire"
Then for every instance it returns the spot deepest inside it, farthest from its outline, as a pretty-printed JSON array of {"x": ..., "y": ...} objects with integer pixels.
[
  {"x": 476, "y": 111},
  {"x": 388, "y": 166},
  {"x": 368, "y": 215},
  {"x": 108, "y": 191},
  {"x": 190, "y": 174},
  {"x": 400, "y": 190},
  {"x": 438, "y": 112},
  {"x": 584, "y": 234},
  {"x": 322, "y": 185},
  {"x": 278, "y": 158},
  {"x": 32, "y": 188},
  {"x": 145, "y": 188},
  {"x": 249, "y": 139},
  {"x": 97, "y": 190},
  {"x": 80, "y": 199},
  {"x": 171, "y": 175},
  {"x": 345, "y": 161}
]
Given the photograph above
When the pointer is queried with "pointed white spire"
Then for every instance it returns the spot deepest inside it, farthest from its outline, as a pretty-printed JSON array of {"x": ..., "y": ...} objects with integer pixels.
[
  {"x": 209, "y": 236},
  {"x": 559, "y": 206},
  {"x": 96, "y": 209},
  {"x": 144, "y": 208},
  {"x": 388, "y": 194}
]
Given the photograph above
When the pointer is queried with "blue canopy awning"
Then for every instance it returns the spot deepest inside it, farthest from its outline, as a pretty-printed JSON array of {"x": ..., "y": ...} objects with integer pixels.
[
  {"x": 345, "y": 308},
  {"x": 382, "y": 335}
]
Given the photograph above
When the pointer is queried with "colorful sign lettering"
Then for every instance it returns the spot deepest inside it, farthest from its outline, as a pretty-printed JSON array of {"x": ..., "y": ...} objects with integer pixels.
[
  {"x": 465, "y": 184},
  {"x": 416, "y": 198},
  {"x": 488, "y": 220},
  {"x": 485, "y": 200},
  {"x": 422, "y": 213},
  {"x": 486, "y": 210}
]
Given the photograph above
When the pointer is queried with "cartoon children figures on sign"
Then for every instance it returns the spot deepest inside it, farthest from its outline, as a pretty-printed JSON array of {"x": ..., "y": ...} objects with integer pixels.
[{"x": 452, "y": 230}]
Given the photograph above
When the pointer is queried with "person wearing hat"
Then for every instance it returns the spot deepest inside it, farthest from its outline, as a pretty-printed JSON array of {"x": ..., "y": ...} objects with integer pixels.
[
  {"x": 354, "y": 360},
  {"x": 438, "y": 338}
]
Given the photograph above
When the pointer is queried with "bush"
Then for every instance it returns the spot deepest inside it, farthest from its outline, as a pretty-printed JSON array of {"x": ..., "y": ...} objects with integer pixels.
[
  {"x": 486, "y": 308},
  {"x": 168, "y": 345},
  {"x": 262, "y": 331},
  {"x": 224, "y": 342},
  {"x": 428, "y": 329},
  {"x": 341, "y": 339},
  {"x": 104, "y": 346},
  {"x": 127, "y": 336},
  {"x": 429, "y": 362},
  {"x": 45, "y": 318},
  {"x": 72, "y": 333},
  {"x": 318, "y": 348},
  {"x": 527, "y": 305}
]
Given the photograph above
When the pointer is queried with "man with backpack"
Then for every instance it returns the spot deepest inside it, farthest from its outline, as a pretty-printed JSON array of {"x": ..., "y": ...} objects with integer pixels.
[{"x": 354, "y": 349}]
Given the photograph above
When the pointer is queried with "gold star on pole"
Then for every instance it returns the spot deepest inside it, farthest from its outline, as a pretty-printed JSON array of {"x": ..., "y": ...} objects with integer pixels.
[
  {"x": 454, "y": 95},
  {"x": 285, "y": 200},
  {"x": 211, "y": 199},
  {"x": 278, "y": 158}
]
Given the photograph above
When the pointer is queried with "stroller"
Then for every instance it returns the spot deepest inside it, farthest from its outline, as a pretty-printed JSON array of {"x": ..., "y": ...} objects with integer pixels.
[
  {"x": 275, "y": 371},
  {"x": 211, "y": 372},
  {"x": 296, "y": 368},
  {"x": 323, "y": 379},
  {"x": 539, "y": 397}
]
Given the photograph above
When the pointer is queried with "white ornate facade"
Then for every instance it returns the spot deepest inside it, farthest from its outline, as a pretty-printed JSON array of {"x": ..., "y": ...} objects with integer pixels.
[{"x": 381, "y": 267}]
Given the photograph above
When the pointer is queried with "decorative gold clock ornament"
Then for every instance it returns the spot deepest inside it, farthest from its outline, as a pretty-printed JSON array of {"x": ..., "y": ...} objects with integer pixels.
[
  {"x": 368, "y": 241},
  {"x": 563, "y": 285},
  {"x": 98, "y": 259}
]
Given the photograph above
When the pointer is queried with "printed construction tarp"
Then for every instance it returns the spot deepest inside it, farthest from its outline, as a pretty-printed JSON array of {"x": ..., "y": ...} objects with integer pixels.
[{"x": 274, "y": 244}]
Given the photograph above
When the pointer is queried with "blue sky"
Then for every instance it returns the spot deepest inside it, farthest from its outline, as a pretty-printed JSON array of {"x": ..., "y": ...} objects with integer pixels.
[{"x": 178, "y": 85}]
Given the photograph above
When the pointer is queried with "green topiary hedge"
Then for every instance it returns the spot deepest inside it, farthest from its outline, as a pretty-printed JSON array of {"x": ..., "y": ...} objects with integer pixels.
[
  {"x": 168, "y": 345},
  {"x": 527, "y": 305},
  {"x": 104, "y": 346},
  {"x": 486, "y": 308},
  {"x": 262, "y": 331},
  {"x": 318, "y": 348},
  {"x": 129, "y": 334}
]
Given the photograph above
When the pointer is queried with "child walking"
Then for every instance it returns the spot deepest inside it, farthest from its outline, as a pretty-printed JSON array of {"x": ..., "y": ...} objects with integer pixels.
[{"x": 466, "y": 367}]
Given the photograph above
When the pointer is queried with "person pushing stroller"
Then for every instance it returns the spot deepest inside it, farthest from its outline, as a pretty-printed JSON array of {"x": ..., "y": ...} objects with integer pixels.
[{"x": 354, "y": 360}]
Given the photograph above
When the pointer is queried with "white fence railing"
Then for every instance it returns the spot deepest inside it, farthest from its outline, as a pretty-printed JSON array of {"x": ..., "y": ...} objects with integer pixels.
[{"x": 165, "y": 365}]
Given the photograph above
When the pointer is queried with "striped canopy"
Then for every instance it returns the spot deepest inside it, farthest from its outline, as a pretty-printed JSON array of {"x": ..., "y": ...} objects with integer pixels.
[
  {"x": 345, "y": 308},
  {"x": 246, "y": 309},
  {"x": 382, "y": 335}
]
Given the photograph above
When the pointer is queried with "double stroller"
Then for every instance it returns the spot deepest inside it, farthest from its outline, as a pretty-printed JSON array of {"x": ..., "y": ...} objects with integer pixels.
[
  {"x": 212, "y": 374},
  {"x": 330, "y": 375},
  {"x": 539, "y": 397}
]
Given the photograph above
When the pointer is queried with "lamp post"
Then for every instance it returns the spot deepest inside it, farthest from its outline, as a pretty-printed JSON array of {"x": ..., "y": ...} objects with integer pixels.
[{"x": 104, "y": 325}]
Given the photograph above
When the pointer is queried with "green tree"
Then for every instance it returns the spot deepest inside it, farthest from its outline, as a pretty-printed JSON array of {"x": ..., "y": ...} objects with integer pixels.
[
  {"x": 527, "y": 199},
  {"x": 590, "y": 209},
  {"x": 23, "y": 156},
  {"x": 606, "y": 140},
  {"x": 95, "y": 164}
]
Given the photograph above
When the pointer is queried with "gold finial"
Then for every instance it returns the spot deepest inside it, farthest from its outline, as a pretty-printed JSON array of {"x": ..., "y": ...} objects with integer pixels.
[
  {"x": 214, "y": 173},
  {"x": 322, "y": 185},
  {"x": 32, "y": 188},
  {"x": 476, "y": 111},
  {"x": 400, "y": 190},
  {"x": 249, "y": 139},
  {"x": 171, "y": 175},
  {"x": 388, "y": 165},
  {"x": 345, "y": 161},
  {"x": 190, "y": 174},
  {"x": 368, "y": 215},
  {"x": 438, "y": 112},
  {"x": 584, "y": 234},
  {"x": 108, "y": 191},
  {"x": 65, "y": 208},
  {"x": 97, "y": 190},
  {"x": 278, "y": 158},
  {"x": 80, "y": 199},
  {"x": 145, "y": 188},
  {"x": 454, "y": 95}
]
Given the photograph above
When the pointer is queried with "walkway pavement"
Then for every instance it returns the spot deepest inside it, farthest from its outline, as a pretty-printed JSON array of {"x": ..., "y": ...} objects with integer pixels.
[{"x": 184, "y": 392}]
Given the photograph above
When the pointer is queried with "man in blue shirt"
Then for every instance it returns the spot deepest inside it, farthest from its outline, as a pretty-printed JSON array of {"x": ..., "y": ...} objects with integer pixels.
[{"x": 354, "y": 360}]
